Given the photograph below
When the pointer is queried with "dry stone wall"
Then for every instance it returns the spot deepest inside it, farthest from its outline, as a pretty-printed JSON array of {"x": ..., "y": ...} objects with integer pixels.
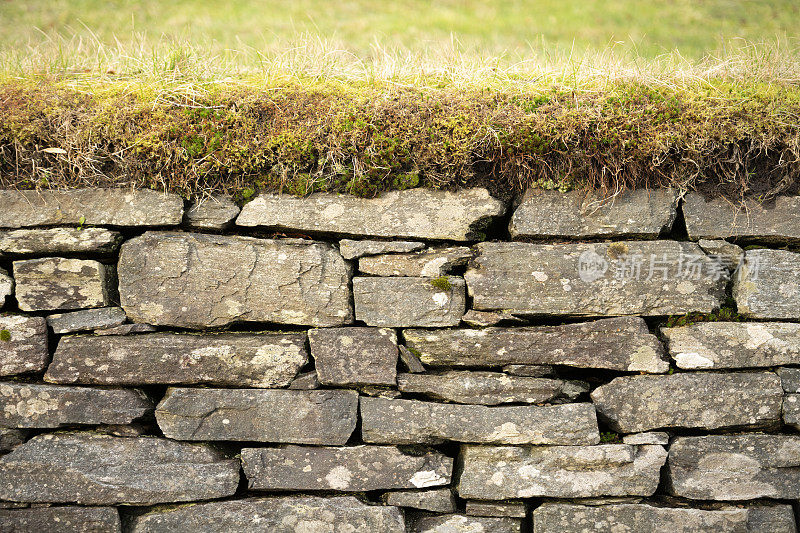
[{"x": 426, "y": 361}]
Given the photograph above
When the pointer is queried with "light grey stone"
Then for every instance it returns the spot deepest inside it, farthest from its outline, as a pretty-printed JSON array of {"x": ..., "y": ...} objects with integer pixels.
[
  {"x": 92, "y": 469},
  {"x": 499, "y": 473},
  {"x": 228, "y": 359},
  {"x": 354, "y": 356},
  {"x": 434, "y": 500},
  {"x": 498, "y": 509},
  {"x": 430, "y": 263},
  {"x": 305, "y": 381},
  {"x": 791, "y": 410},
  {"x": 67, "y": 519},
  {"x": 6, "y": 287},
  {"x": 482, "y": 319},
  {"x": 410, "y": 360},
  {"x": 534, "y": 371},
  {"x": 55, "y": 241},
  {"x": 485, "y": 388},
  {"x": 56, "y": 283},
  {"x": 409, "y": 302},
  {"x": 215, "y": 212},
  {"x": 295, "y": 416},
  {"x": 649, "y": 437},
  {"x": 767, "y": 284},
  {"x": 690, "y": 400},
  {"x": 284, "y": 514},
  {"x": 616, "y": 344},
  {"x": 26, "y": 348},
  {"x": 790, "y": 379},
  {"x": 126, "y": 329},
  {"x": 729, "y": 255},
  {"x": 101, "y": 207},
  {"x": 583, "y": 214},
  {"x": 197, "y": 281},
  {"x": 352, "y": 469},
  {"x": 719, "y": 218},
  {"x": 595, "y": 279},
  {"x": 11, "y": 438},
  {"x": 85, "y": 320},
  {"x": 413, "y": 213},
  {"x": 459, "y": 523},
  {"x": 413, "y": 422},
  {"x": 351, "y": 249}
]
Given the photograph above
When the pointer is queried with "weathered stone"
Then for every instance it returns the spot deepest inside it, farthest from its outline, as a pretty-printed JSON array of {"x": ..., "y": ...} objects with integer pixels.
[
  {"x": 101, "y": 207},
  {"x": 790, "y": 379},
  {"x": 61, "y": 520},
  {"x": 791, "y": 410},
  {"x": 55, "y": 283},
  {"x": 197, "y": 281},
  {"x": 482, "y": 319},
  {"x": 435, "y": 500},
  {"x": 354, "y": 356},
  {"x": 54, "y": 241},
  {"x": 486, "y": 388},
  {"x": 285, "y": 514},
  {"x": 767, "y": 284},
  {"x": 126, "y": 329},
  {"x": 560, "y": 517},
  {"x": 650, "y": 437},
  {"x": 430, "y": 263},
  {"x": 305, "y": 417},
  {"x": 411, "y": 361},
  {"x": 227, "y": 359},
  {"x": 6, "y": 287},
  {"x": 498, "y": 473},
  {"x": 534, "y": 371},
  {"x": 305, "y": 381},
  {"x": 735, "y": 467},
  {"x": 28, "y": 405},
  {"x": 729, "y": 255},
  {"x": 23, "y": 346},
  {"x": 510, "y": 509},
  {"x": 93, "y": 469},
  {"x": 719, "y": 218},
  {"x": 409, "y": 302},
  {"x": 351, "y": 249},
  {"x": 690, "y": 400},
  {"x": 352, "y": 469},
  {"x": 616, "y": 343},
  {"x": 87, "y": 319},
  {"x": 582, "y": 214},
  {"x": 413, "y": 213},
  {"x": 458, "y": 523},
  {"x": 11, "y": 438},
  {"x": 412, "y": 421},
  {"x": 216, "y": 212},
  {"x": 595, "y": 279}
]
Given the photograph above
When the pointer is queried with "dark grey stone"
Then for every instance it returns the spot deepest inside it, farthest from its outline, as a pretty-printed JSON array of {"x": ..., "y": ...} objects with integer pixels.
[
  {"x": 61, "y": 520},
  {"x": 85, "y": 320}
]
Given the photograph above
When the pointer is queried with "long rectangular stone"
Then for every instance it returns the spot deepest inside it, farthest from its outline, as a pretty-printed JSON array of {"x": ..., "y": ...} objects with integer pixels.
[
  {"x": 23, "y": 344},
  {"x": 86, "y": 320},
  {"x": 409, "y": 302},
  {"x": 499, "y": 473},
  {"x": 459, "y": 522},
  {"x": 350, "y": 469},
  {"x": 767, "y": 284},
  {"x": 351, "y": 249},
  {"x": 595, "y": 279},
  {"x": 56, "y": 241},
  {"x": 623, "y": 344},
  {"x": 434, "y": 500},
  {"x": 412, "y": 422},
  {"x": 690, "y": 400},
  {"x": 196, "y": 281},
  {"x": 92, "y": 469},
  {"x": 292, "y": 416},
  {"x": 482, "y": 388},
  {"x": 226, "y": 359},
  {"x": 66, "y": 519},
  {"x": 430, "y": 263},
  {"x": 719, "y": 218},
  {"x": 57, "y": 283}
]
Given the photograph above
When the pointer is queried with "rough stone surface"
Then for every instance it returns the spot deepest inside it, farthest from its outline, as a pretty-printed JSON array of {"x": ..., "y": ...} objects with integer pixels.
[
  {"x": 486, "y": 388},
  {"x": 790, "y": 379},
  {"x": 411, "y": 361},
  {"x": 582, "y": 214},
  {"x": 729, "y": 255},
  {"x": 351, "y": 249},
  {"x": 690, "y": 400},
  {"x": 650, "y": 437},
  {"x": 196, "y": 281},
  {"x": 768, "y": 284},
  {"x": 409, "y": 302},
  {"x": 595, "y": 279},
  {"x": 498, "y": 473},
  {"x": 482, "y": 319},
  {"x": 305, "y": 381},
  {"x": 126, "y": 329},
  {"x": 534, "y": 371},
  {"x": 413, "y": 213},
  {"x": 510, "y": 509},
  {"x": 354, "y": 356},
  {"x": 6, "y": 287},
  {"x": 435, "y": 500},
  {"x": 70, "y": 519},
  {"x": 227, "y": 359},
  {"x": 616, "y": 344},
  {"x": 413, "y": 421},
  {"x": 85, "y": 320},
  {"x": 285, "y": 514},
  {"x": 11, "y": 438},
  {"x": 55, "y": 241},
  {"x": 735, "y": 467},
  {"x": 101, "y": 207},
  {"x": 720, "y": 218},
  {"x": 26, "y": 351},
  {"x": 708, "y": 345},
  {"x": 430, "y": 263},
  {"x": 96, "y": 469},
  {"x": 791, "y": 410},
  {"x": 28, "y": 405},
  {"x": 458, "y": 523},
  {"x": 56, "y": 283},
  {"x": 215, "y": 213},
  {"x": 305, "y": 417}
]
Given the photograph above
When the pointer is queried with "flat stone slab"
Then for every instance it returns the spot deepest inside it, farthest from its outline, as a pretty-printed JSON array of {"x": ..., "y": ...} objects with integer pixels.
[
  {"x": 6, "y": 287},
  {"x": 584, "y": 214},
  {"x": 648, "y": 437},
  {"x": 93, "y": 469},
  {"x": 767, "y": 284},
  {"x": 790, "y": 379},
  {"x": 99, "y": 207},
  {"x": 791, "y": 410},
  {"x": 719, "y": 218},
  {"x": 351, "y": 249},
  {"x": 498, "y": 509},
  {"x": 28, "y": 405},
  {"x": 197, "y": 281},
  {"x": 623, "y": 344},
  {"x": 412, "y": 421},
  {"x": 735, "y": 467},
  {"x": 409, "y": 302},
  {"x": 67, "y": 519},
  {"x": 293, "y": 416},
  {"x": 434, "y": 500},
  {"x": 86, "y": 320},
  {"x": 413, "y": 213},
  {"x": 458, "y": 523},
  {"x": 690, "y": 400},
  {"x": 498, "y": 473},
  {"x": 431, "y": 263},
  {"x": 55, "y": 241},
  {"x": 648, "y": 278},
  {"x": 215, "y": 213},
  {"x": 56, "y": 283},
  {"x": 482, "y": 388},
  {"x": 350, "y": 469},
  {"x": 354, "y": 356},
  {"x": 227, "y": 359},
  {"x": 284, "y": 514},
  {"x": 26, "y": 348}
]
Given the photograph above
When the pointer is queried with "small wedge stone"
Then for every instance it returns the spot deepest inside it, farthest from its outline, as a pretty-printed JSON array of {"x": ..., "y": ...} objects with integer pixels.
[{"x": 85, "y": 320}]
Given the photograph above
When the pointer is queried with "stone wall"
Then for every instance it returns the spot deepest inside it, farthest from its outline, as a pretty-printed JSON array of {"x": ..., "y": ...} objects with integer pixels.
[{"x": 425, "y": 361}]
